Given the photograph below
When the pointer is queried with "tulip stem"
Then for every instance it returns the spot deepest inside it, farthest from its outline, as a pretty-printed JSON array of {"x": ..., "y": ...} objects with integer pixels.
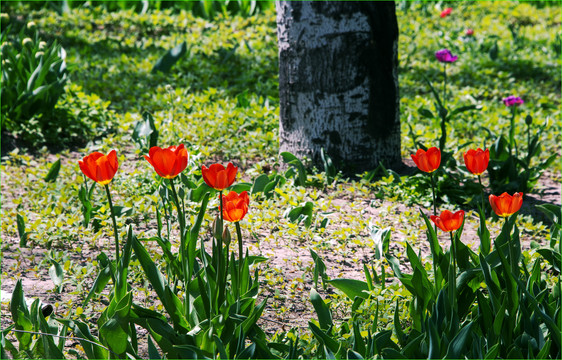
[
  {"x": 444, "y": 83},
  {"x": 240, "y": 255},
  {"x": 453, "y": 278},
  {"x": 509, "y": 247},
  {"x": 442, "y": 111},
  {"x": 512, "y": 131},
  {"x": 115, "y": 232},
  {"x": 183, "y": 250},
  {"x": 434, "y": 202},
  {"x": 219, "y": 238},
  {"x": 481, "y": 192}
]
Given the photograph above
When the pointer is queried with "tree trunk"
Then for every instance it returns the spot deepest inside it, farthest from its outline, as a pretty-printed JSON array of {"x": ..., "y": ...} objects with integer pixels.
[{"x": 338, "y": 82}]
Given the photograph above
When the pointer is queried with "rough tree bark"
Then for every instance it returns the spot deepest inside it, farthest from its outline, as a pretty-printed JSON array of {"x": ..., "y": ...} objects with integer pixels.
[{"x": 338, "y": 82}]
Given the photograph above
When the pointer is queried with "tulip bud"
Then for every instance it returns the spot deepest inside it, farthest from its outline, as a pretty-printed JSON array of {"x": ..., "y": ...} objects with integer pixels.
[
  {"x": 226, "y": 238},
  {"x": 528, "y": 120},
  {"x": 31, "y": 25},
  {"x": 217, "y": 227}
]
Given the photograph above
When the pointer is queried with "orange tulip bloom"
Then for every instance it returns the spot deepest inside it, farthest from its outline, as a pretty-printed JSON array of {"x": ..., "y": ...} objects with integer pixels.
[
  {"x": 505, "y": 204},
  {"x": 235, "y": 206},
  {"x": 476, "y": 161},
  {"x": 99, "y": 167},
  {"x": 448, "y": 221},
  {"x": 217, "y": 177},
  {"x": 427, "y": 161},
  {"x": 168, "y": 162}
]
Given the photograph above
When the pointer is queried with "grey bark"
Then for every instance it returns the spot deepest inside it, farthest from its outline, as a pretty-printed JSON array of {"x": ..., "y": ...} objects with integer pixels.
[{"x": 338, "y": 82}]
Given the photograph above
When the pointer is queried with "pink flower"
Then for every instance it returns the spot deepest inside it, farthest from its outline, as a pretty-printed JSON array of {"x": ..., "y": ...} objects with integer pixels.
[
  {"x": 446, "y": 12},
  {"x": 445, "y": 56},
  {"x": 469, "y": 32},
  {"x": 512, "y": 100}
]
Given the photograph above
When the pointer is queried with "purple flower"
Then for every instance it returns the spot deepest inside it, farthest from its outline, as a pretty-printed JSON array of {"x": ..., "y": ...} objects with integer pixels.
[
  {"x": 444, "y": 55},
  {"x": 513, "y": 100}
]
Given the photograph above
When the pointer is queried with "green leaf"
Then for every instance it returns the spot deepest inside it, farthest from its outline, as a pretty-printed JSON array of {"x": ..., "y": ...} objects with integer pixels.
[
  {"x": 351, "y": 287},
  {"x": 425, "y": 113},
  {"x": 158, "y": 283},
  {"x": 319, "y": 269},
  {"x": 194, "y": 233},
  {"x": 240, "y": 187},
  {"x": 259, "y": 184},
  {"x": 114, "y": 335},
  {"x": 165, "y": 63},
  {"x": 553, "y": 212},
  {"x": 483, "y": 234},
  {"x": 92, "y": 348},
  {"x": 301, "y": 214},
  {"x": 465, "y": 108},
  {"x": 353, "y": 355},
  {"x": 53, "y": 172},
  {"x": 329, "y": 168},
  {"x": 491, "y": 284},
  {"x": 56, "y": 273},
  {"x": 324, "y": 338},
  {"x": 122, "y": 270},
  {"x": 99, "y": 284},
  {"x": 494, "y": 50},
  {"x": 493, "y": 352},
  {"x": 434, "y": 340},
  {"x": 322, "y": 310},
  {"x": 145, "y": 132},
  {"x": 381, "y": 240},
  {"x": 295, "y": 162},
  {"x": 389, "y": 353},
  {"x": 398, "y": 327},
  {"x": 543, "y": 354},
  {"x": 458, "y": 344},
  {"x": 552, "y": 256},
  {"x": 20, "y": 222},
  {"x": 433, "y": 91}
]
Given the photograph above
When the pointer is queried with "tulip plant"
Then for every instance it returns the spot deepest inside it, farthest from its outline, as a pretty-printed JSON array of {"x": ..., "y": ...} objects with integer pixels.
[
  {"x": 476, "y": 305},
  {"x": 209, "y": 297},
  {"x": 510, "y": 170}
]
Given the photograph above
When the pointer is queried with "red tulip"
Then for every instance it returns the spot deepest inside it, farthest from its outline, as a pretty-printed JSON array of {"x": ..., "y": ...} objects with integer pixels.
[
  {"x": 448, "y": 221},
  {"x": 446, "y": 12},
  {"x": 217, "y": 177},
  {"x": 168, "y": 162},
  {"x": 505, "y": 204},
  {"x": 235, "y": 206},
  {"x": 476, "y": 161},
  {"x": 427, "y": 161},
  {"x": 99, "y": 167}
]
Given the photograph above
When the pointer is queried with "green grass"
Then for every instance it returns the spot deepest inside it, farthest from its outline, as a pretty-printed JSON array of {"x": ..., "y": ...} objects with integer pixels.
[{"x": 221, "y": 100}]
